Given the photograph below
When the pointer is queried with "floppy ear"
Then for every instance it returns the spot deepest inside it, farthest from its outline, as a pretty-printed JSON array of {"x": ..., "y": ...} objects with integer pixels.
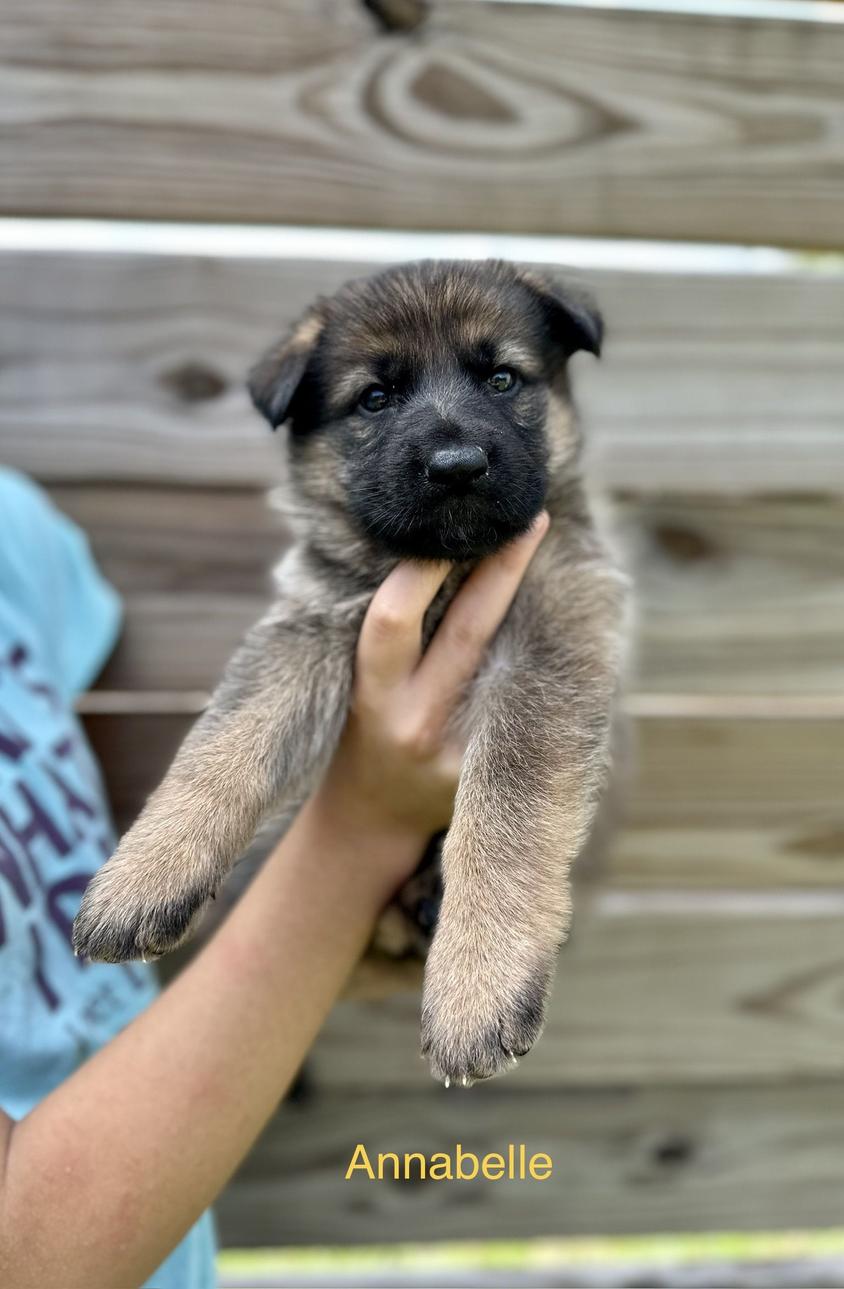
[
  {"x": 275, "y": 378},
  {"x": 574, "y": 319}
]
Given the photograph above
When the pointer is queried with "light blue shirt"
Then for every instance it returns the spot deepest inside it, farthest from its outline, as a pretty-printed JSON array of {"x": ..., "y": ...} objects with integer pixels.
[{"x": 58, "y": 622}]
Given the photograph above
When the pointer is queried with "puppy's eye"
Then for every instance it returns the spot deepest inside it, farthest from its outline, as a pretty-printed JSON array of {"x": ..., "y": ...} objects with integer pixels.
[
  {"x": 374, "y": 399},
  {"x": 502, "y": 380}
]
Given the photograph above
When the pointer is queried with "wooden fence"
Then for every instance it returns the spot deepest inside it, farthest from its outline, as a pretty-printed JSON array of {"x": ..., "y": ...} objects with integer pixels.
[
  {"x": 690, "y": 1076},
  {"x": 493, "y": 114}
]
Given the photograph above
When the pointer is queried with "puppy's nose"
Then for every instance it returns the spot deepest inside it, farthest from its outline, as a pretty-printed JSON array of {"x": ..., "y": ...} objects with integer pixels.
[{"x": 457, "y": 466}]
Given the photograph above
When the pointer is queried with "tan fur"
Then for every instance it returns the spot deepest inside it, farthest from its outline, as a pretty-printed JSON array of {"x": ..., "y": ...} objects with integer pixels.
[
  {"x": 538, "y": 719},
  {"x": 563, "y": 441},
  {"x": 307, "y": 332}
]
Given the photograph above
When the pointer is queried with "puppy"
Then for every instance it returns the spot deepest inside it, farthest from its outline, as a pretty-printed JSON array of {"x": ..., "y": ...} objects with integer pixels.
[{"x": 429, "y": 418}]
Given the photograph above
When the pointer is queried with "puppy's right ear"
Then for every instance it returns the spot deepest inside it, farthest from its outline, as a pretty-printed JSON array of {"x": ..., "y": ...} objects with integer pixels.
[{"x": 275, "y": 378}]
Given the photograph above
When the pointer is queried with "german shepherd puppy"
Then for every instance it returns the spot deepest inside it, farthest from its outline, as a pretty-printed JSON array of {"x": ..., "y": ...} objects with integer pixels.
[{"x": 430, "y": 418}]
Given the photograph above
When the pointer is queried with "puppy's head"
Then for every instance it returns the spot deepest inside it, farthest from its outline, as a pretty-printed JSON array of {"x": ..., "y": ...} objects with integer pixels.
[{"x": 430, "y": 402}]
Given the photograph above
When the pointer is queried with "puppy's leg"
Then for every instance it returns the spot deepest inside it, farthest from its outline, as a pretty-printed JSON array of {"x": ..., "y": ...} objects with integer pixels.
[
  {"x": 270, "y": 728},
  {"x": 532, "y": 775}
]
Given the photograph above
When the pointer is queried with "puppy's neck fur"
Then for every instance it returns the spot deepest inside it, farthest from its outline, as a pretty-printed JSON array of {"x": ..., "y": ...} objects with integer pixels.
[{"x": 333, "y": 566}]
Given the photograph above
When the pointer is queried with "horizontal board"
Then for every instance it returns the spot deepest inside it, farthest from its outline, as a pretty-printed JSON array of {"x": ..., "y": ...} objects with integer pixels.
[
  {"x": 131, "y": 367},
  {"x": 734, "y": 598},
  {"x": 668, "y": 990},
  {"x": 653, "y": 1159},
  {"x": 194, "y": 569},
  {"x": 546, "y": 117},
  {"x": 734, "y": 804},
  {"x": 134, "y": 752}
]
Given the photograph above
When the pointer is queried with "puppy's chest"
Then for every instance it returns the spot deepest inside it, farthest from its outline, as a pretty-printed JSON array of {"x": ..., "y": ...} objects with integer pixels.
[
  {"x": 504, "y": 645},
  {"x": 445, "y": 595}
]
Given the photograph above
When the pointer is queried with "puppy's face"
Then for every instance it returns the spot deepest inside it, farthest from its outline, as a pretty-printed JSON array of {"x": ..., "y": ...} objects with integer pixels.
[{"x": 419, "y": 401}]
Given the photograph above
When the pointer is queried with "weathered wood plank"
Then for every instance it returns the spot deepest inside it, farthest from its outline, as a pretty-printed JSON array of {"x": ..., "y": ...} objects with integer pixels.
[
  {"x": 740, "y": 804},
  {"x": 546, "y": 117},
  {"x": 734, "y": 597},
  {"x": 684, "y": 990},
  {"x": 654, "y": 1159},
  {"x": 721, "y": 383},
  {"x": 215, "y": 542},
  {"x": 193, "y": 567},
  {"x": 134, "y": 752}
]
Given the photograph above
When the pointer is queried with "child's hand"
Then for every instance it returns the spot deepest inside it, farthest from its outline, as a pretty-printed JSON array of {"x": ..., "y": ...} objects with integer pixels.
[{"x": 396, "y": 769}]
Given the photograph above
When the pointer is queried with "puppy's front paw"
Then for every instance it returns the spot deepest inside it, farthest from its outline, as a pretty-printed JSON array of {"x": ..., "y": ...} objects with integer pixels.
[
  {"x": 475, "y": 1029},
  {"x": 138, "y": 906}
]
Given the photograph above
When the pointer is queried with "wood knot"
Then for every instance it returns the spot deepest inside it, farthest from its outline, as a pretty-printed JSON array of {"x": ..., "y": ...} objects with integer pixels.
[
  {"x": 444, "y": 90},
  {"x": 193, "y": 382},
  {"x": 683, "y": 544},
  {"x": 398, "y": 15},
  {"x": 824, "y": 844},
  {"x": 673, "y": 1151}
]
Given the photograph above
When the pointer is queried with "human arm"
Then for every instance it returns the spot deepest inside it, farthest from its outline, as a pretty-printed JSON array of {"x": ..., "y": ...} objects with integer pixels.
[{"x": 108, "y": 1172}]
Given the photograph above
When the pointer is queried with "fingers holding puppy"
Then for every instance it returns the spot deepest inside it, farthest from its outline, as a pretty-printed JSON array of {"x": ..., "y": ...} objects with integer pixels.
[
  {"x": 471, "y": 622},
  {"x": 390, "y": 653}
]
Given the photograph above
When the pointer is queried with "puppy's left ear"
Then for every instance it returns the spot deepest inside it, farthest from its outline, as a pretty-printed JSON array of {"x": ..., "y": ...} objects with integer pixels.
[
  {"x": 574, "y": 319},
  {"x": 275, "y": 379}
]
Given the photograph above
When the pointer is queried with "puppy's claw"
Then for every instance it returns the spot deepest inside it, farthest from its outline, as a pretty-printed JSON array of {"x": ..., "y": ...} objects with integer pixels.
[{"x": 465, "y": 1045}]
